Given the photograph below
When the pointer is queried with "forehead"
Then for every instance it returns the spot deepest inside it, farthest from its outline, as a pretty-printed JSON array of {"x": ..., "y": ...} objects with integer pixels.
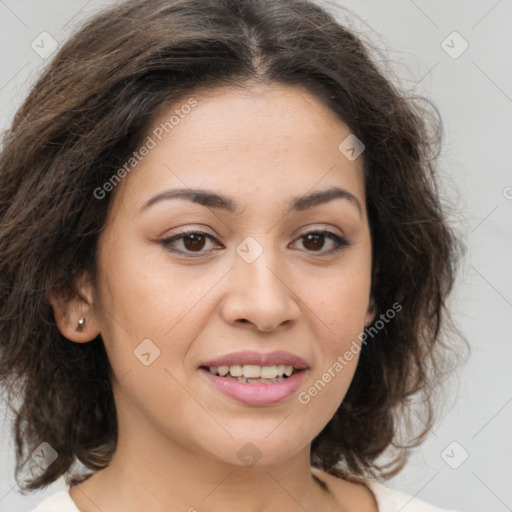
[
  {"x": 262, "y": 115},
  {"x": 260, "y": 141}
]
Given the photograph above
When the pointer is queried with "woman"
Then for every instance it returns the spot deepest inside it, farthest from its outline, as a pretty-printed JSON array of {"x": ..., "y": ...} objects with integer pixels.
[{"x": 224, "y": 265}]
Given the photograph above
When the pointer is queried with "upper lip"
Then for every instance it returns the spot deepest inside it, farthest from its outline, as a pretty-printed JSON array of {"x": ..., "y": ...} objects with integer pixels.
[{"x": 257, "y": 358}]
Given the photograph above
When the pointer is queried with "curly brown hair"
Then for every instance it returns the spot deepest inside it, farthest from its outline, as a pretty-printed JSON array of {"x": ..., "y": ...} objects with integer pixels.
[{"x": 83, "y": 119}]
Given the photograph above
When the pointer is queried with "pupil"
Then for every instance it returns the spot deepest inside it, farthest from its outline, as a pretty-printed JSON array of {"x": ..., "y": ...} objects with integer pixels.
[
  {"x": 314, "y": 238},
  {"x": 194, "y": 242}
]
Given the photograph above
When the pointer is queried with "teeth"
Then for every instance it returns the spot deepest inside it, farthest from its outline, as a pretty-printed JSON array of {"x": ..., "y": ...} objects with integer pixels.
[
  {"x": 269, "y": 372},
  {"x": 223, "y": 370},
  {"x": 236, "y": 370},
  {"x": 252, "y": 371}
]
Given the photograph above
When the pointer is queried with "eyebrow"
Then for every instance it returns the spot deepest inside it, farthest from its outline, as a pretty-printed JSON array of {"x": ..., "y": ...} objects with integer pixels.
[{"x": 217, "y": 201}]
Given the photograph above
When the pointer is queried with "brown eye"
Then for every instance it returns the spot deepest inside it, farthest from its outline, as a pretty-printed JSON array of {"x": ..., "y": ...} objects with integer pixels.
[
  {"x": 314, "y": 242},
  {"x": 194, "y": 242},
  {"x": 188, "y": 243}
]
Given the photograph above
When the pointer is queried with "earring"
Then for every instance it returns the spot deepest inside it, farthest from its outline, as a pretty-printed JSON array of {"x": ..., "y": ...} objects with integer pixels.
[{"x": 80, "y": 324}]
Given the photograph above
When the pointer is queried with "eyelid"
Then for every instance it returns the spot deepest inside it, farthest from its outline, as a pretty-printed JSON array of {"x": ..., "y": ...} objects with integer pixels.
[
  {"x": 165, "y": 242},
  {"x": 321, "y": 229}
]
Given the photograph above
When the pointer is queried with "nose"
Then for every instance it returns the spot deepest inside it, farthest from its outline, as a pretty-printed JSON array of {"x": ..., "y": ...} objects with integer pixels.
[{"x": 261, "y": 294}]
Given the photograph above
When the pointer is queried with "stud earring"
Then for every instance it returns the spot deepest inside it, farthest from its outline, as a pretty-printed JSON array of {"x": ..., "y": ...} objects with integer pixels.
[{"x": 80, "y": 324}]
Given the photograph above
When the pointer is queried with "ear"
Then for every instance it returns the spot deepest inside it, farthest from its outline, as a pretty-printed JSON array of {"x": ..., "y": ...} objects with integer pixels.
[
  {"x": 68, "y": 312},
  {"x": 370, "y": 313}
]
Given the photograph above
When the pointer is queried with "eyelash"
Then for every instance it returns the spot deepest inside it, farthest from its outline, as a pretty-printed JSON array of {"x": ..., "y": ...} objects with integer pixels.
[{"x": 341, "y": 242}]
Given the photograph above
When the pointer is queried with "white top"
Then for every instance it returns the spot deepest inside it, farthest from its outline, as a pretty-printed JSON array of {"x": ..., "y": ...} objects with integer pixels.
[{"x": 388, "y": 500}]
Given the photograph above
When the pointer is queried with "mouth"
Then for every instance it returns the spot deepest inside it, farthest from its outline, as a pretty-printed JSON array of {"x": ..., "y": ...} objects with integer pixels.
[
  {"x": 256, "y": 379},
  {"x": 252, "y": 373}
]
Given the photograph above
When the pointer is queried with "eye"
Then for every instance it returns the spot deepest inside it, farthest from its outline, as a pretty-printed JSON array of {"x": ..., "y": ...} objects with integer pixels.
[
  {"x": 190, "y": 242},
  {"x": 313, "y": 241}
]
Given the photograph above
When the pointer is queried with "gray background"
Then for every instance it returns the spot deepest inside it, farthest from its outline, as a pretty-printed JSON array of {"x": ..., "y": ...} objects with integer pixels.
[{"x": 474, "y": 94}]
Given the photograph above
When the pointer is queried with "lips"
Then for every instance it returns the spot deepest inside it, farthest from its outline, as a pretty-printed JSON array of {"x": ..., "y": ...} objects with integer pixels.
[
  {"x": 254, "y": 378},
  {"x": 259, "y": 359}
]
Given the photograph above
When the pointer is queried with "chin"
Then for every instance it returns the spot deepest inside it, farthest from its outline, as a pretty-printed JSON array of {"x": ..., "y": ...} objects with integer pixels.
[{"x": 250, "y": 449}]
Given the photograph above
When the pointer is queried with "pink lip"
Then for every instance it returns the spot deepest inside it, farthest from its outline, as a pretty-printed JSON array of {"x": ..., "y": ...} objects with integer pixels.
[
  {"x": 251, "y": 357},
  {"x": 256, "y": 394}
]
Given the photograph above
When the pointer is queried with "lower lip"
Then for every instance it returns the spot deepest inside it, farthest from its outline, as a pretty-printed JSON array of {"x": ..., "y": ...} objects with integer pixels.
[{"x": 257, "y": 394}]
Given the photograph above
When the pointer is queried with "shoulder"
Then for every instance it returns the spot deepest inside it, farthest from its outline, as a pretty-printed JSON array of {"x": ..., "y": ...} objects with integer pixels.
[
  {"x": 391, "y": 500},
  {"x": 59, "y": 502},
  {"x": 352, "y": 493},
  {"x": 369, "y": 494}
]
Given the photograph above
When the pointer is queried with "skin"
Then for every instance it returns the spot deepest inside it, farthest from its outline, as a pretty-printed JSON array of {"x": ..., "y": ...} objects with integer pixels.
[{"x": 178, "y": 436}]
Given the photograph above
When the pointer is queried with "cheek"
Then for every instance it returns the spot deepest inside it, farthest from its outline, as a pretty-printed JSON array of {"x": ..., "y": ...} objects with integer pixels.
[
  {"x": 340, "y": 304},
  {"x": 145, "y": 297},
  {"x": 338, "y": 309},
  {"x": 147, "y": 294}
]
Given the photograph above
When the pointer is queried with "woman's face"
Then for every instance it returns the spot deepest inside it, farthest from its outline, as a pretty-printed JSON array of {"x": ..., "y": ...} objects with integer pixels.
[{"x": 244, "y": 285}]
